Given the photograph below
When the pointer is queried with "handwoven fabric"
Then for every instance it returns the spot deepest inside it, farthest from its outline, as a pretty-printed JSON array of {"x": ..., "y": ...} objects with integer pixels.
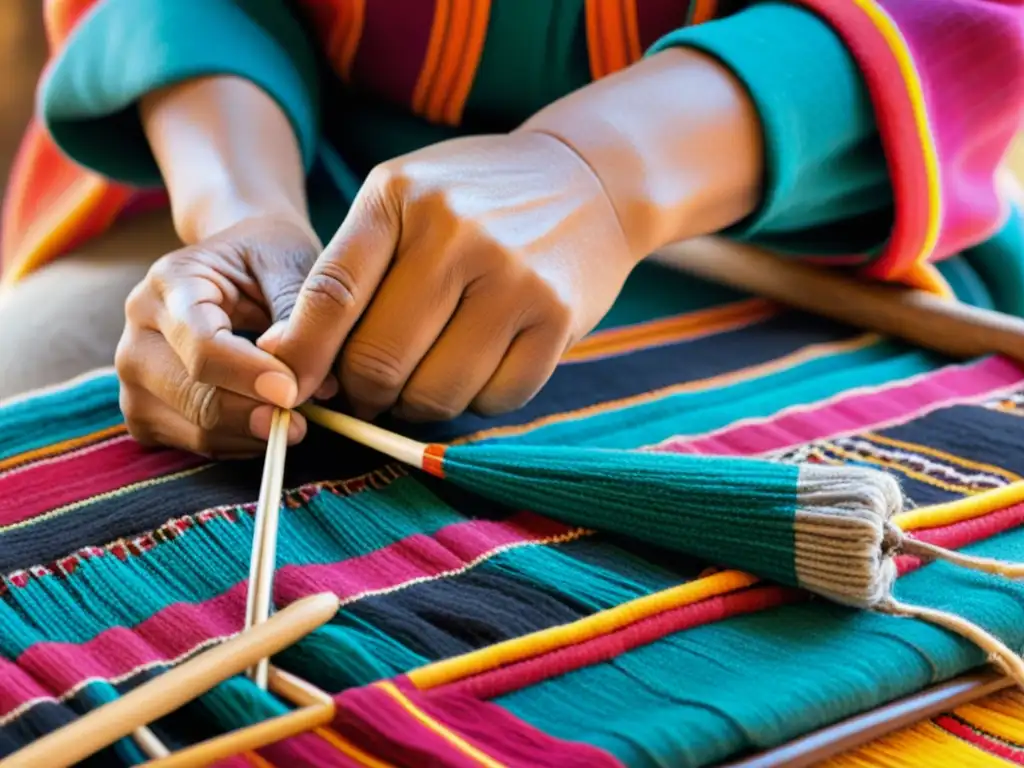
[{"x": 557, "y": 645}]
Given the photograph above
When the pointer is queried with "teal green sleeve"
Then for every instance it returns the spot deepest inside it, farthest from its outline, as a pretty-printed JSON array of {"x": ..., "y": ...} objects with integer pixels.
[
  {"x": 127, "y": 48},
  {"x": 826, "y": 188}
]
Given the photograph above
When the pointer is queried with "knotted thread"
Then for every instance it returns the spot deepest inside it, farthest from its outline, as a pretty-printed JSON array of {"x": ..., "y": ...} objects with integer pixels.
[{"x": 846, "y": 545}]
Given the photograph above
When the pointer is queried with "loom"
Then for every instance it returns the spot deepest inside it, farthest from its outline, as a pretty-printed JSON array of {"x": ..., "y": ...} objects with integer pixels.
[{"x": 474, "y": 633}]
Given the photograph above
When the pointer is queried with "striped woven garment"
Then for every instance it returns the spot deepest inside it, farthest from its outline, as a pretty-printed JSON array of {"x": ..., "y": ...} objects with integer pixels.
[{"x": 471, "y": 634}]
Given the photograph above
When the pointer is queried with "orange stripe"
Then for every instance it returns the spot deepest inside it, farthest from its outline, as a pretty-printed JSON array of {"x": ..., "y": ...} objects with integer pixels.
[
  {"x": 66, "y": 446},
  {"x": 595, "y": 50},
  {"x": 812, "y": 352},
  {"x": 632, "y": 30},
  {"x": 704, "y": 10},
  {"x": 670, "y": 329},
  {"x": 349, "y": 749},
  {"x": 433, "y": 459},
  {"x": 475, "y": 37},
  {"x": 452, "y": 54},
  {"x": 438, "y": 728},
  {"x": 613, "y": 35},
  {"x": 438, "y": 32},
  {"x": 353, "y": 33}
]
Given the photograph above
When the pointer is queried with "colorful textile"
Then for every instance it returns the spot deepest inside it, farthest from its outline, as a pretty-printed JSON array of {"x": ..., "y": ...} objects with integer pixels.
[
  {"x": 472, "y": 634},
  {"x": 890, "y": 167}
]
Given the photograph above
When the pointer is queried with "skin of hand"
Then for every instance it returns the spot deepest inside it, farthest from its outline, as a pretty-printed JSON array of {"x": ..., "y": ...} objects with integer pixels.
[
  {"x": 465, "y": 270},
  {"x": 460, "y": 276},
  {"x": 186, "y": 379}
]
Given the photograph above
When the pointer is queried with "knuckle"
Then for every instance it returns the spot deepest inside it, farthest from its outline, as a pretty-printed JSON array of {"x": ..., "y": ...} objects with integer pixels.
[
  {"x": 383, "y": 176},
  {"x": 332, "y": 283},
  {"x": 139, "y": 300},
  {"x": 499, "y": 403},
  {"x": 553, "y": 308},
  {"x": 199, "y": 404},
  {"x": 373, "y": 364},
  {"x": 430, "y": 405}
]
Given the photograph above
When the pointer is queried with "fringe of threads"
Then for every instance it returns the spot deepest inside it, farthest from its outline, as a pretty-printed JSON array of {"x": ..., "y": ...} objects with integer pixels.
[{"x": 846, "y": 544}]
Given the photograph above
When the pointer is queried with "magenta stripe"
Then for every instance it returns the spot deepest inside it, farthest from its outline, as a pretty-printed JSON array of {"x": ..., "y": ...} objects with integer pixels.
[
  {"x": 393, "y": 47},
  {"x": 177, "y": 630},
  {"x": 656, "y": 18},
  {"x": 886, "y": 406}
]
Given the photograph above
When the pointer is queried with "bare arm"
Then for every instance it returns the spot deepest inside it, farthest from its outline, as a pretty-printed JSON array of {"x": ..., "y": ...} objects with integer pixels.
[{"x": 226, "y": 152}]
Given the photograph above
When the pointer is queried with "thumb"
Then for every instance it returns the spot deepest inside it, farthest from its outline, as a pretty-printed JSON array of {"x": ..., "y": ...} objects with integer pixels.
[{"x": 336, "y": 292}]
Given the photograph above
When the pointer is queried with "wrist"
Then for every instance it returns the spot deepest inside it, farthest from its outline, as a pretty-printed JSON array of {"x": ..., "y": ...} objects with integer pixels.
[
  {"x": 207, "y": 215},
  {"x": 675, "y": 141}
]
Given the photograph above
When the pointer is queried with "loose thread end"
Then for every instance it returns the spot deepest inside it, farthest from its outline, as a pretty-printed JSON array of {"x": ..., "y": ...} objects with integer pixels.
[
  {"x": 998, "y": 653},
  {"x": 911, "y": 546}
]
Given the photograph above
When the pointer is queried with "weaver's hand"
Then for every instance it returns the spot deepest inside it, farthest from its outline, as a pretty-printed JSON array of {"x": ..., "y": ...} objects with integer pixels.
[
  {"x": 186, "y": 379},
  {"x": 458, "y": 279}
]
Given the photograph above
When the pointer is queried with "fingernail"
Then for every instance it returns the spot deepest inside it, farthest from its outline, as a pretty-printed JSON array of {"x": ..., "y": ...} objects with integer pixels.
[
  {"x": 277, "y": 388},
  {"x": 259, "y": 422},
  {"x": 328, "y": 389},
  {"x": 296, "y": 429}
]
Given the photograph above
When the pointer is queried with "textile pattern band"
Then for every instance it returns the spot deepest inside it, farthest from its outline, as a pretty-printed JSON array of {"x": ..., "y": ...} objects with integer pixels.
[{"x": 472, "y": 634}]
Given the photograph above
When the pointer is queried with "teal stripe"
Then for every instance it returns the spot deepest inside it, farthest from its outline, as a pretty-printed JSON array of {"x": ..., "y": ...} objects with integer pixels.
[
  {"x": 699, "y": 412},
  {"x": 700, "y": 696},
  {"x": 53, "y": 417},
  {"x": 105, "y": 592}
]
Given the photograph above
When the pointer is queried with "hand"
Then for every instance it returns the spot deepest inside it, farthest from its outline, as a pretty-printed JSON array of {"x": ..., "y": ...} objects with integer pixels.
[
  {"x": 459, "y": 278},
  {"x": 186, "y": 379}
]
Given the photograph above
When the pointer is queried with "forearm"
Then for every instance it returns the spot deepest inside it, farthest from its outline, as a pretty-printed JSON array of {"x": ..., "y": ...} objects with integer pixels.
[
  {"x": 675, "y": 141},
  {"x": 226, "y": 152}
]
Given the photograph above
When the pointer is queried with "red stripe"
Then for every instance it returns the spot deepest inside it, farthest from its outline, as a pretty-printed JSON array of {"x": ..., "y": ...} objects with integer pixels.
[
  {"x": 39, "y": 489},
  {"x": 503, "y": 680},
  {"x": 966, "y": 532},
  {"x": 897, "y": 125},
  {"x": 979, "y": 739},
  {"x": 393, "y": 47}
]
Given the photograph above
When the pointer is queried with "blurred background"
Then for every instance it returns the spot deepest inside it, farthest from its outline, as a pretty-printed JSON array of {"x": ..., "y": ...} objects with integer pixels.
[{"x": 22, "y": 53}]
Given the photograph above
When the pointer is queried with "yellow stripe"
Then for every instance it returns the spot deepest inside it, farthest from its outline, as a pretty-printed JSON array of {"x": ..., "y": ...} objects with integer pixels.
[
  {"x": 921, "y": 746},
  {"x": 915, "y": 92},
  {"x": 349, "y": 749},
  {"x": 947, "y": 457},
  {"x": 1001, "y": 716},
  {"x": 808, "y": 353},
  {"x": 962, "y": 509},
  {"x": 547, "y": 640},
  {"x": 426, "y": 720}
]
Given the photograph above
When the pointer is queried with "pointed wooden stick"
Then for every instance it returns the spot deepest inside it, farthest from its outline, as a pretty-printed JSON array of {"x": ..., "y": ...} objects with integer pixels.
[
  {"x": 405, "y": 449},
  {"x": 162, "y": 695},
  {"x": 942, "y": 325},
  {"x": 263, "y": 559}
]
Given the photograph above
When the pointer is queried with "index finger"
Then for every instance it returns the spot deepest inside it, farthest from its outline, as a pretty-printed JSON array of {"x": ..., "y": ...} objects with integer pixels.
[
  {"x": 336, "y": 292},
  {"x": 199, "y": 331}
]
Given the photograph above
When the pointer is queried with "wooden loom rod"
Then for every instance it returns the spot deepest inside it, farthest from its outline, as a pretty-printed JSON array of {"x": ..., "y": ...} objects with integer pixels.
[
  {"x": 167, "y": 692},
  {"x": 946, "y": 326},
  {"x": 859, "y": 730}
]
